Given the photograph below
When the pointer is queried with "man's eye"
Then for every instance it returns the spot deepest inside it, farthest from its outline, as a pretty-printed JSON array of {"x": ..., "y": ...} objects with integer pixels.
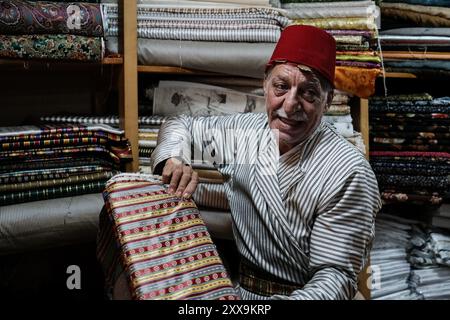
[
  {"x": 281, "y": 87},
  {"x": 310, "y": 95}
]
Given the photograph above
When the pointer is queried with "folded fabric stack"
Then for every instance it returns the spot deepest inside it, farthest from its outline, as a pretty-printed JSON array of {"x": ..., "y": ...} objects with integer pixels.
[
  {"x": 148, "y": 129},
  {"x": 230, "y": 38},
  {"x": 391, "y": 271},
  {"x": 353, "y": 25},
  {"x": 431, "y": 13},
  {"x": 441, "y": 217},
  {"x": 338, "y": 114},
  {"x": 53, "y": 161},
  {"x": 210, "y": 192},
  {"x": 430, "y": 257},
  {"x": 418, "y": 40},
  {"x": 160, "y": 242},
  {"x": 409, "y": 260},
  {"x": 410, "y": 146},
  {"x": 51, "y": 30}
]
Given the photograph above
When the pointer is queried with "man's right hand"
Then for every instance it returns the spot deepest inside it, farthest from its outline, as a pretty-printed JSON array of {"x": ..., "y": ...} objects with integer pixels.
[{"x": 181, "y": 178}]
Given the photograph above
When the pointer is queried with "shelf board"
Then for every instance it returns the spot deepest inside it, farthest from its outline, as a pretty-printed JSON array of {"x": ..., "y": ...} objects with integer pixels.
[
  {"x": 172, "y": 70},
  {"x": 402, "y": 75},
  {"x": 25, "y": 64},
  {"x": 112, "y": 60}
]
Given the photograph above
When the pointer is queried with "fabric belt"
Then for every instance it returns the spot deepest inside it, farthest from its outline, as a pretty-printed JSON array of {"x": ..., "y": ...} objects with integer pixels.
[{"x": 262, "y": 283}]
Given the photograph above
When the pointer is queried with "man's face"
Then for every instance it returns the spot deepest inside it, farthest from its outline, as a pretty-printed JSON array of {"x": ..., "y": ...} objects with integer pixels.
[{"x": 295, "y": 102}]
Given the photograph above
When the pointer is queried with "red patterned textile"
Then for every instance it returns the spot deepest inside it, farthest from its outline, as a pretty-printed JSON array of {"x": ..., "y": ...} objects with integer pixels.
[{"x": 165, "y": 248}]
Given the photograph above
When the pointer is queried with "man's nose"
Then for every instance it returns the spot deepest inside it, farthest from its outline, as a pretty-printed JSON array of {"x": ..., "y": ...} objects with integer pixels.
[{"x": 291, "y": 103}]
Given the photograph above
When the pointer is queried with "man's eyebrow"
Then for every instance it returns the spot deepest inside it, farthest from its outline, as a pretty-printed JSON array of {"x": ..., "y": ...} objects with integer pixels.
[{"x": 281, "y": 77}]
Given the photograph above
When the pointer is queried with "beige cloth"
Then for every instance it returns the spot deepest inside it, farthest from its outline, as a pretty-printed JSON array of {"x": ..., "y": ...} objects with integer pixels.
[
  {"x": 49, "y": 223},
  {"x": 241, "y": 59}
]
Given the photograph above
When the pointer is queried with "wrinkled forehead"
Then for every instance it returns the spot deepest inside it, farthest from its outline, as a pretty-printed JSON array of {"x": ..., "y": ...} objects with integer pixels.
[{"x": 289, "y": 70}]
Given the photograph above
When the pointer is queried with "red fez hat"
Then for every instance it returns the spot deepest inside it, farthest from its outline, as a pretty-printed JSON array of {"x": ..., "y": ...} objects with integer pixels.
[{"x": 309, "y": 46}]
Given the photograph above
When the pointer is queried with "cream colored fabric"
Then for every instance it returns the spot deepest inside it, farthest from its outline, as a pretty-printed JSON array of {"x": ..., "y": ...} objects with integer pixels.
[
  {"x": 49, "y": 223},
  {"x": 241, "y": 59}
]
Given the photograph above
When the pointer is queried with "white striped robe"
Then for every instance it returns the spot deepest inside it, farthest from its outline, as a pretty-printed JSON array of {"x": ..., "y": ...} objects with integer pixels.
[{"x": 320, "y": 234}]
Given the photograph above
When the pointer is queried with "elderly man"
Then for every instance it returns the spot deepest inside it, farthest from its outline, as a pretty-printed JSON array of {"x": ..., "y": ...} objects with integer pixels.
[{"x": 303, "y": 199}]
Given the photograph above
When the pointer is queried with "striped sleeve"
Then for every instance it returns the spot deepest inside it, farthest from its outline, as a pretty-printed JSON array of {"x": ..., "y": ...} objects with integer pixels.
[
  {"x": 341, "y": 238},
  {"x": 208, "y": 140},
  {"x": 211, "y": 195}
]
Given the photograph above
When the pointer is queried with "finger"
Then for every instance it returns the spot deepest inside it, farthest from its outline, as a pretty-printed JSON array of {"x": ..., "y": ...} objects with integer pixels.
[
  {"x": 184, "y": 180},
  {"x": 176, "y": 175},
  {"x": 167, "y": 173},
  {"x": 190, "y": 188}
]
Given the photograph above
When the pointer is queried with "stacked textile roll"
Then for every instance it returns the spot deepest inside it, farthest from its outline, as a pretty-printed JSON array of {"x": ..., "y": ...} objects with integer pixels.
[
  {"x": 441, "y": 217},
  {"x": 230, "y": 38},
  {"x": 148, "y": 130},
  {"x": 210, "y": 194},
  {"x": 51, "y": 30},
  {"x": 410, "y": 146},
  {"x": 353, "y": 25},
  {"x": 54, "y": 161},
  {"x": 391, "y": 271},
  {"x": 430, "y": 258},
  {"x": 417, "y": 38},
  {"x": 409, "y": 260},
  {"x": 161, "y": 244},
  {"x": 339, "y": 115}
]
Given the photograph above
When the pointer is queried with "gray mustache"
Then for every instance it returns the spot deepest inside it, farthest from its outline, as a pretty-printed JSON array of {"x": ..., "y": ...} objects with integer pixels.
[{"x": 298, "y": 116}]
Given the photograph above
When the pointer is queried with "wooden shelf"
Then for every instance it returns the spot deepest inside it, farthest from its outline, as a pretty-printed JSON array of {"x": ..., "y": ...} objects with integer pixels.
[
  {"x": 172, "y": 70},
  {"x": 402, "y": 75},
  {"x": 115, "y": 60},
  {"x": 24, "y": 64}
]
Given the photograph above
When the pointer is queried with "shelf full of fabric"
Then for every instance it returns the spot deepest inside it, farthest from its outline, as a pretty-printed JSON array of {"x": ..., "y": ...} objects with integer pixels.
[
  {"x": 410, "y": 259},
  {"x": 416, "y": 36},
  {"x": 228, "y": 37},
  {"x": 214, "y": 208},
  {"x": 390, "y": 268},
  {"x": 51, "y": 30},
  {"x": 409, "y": 148},
  {"x": 51, "y": 178}
]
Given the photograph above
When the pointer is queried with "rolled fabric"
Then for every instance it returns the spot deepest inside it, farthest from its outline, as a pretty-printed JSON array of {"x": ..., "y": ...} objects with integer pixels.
[
  {"x": 49, "y": 223},
  {"x": 45, "y": 17},
  {"x": 235, "y": 58},
  {"x": 54, "y": 47},
  {"x": 167, "y": 250}
]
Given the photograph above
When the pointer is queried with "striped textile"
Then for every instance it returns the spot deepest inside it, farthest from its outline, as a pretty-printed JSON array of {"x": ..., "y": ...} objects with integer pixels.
[
  {"x": 167, "y": 251},
  {"x": 319, "y": 235},
  {"x": 51, "y": 173},
  {"x": 43, "y": 153},
  {"x": 36, "y": 132},
  {"x": 202, "y": 24},
  {"x": 52, "y": 192},
  {"x": 48, "y": 182},
  {"x": 39, "y": 164},
  {"x": 230, "y": 35},
  {"x": 110, "y": 120},
  {"x": 145, "y": 12}
]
